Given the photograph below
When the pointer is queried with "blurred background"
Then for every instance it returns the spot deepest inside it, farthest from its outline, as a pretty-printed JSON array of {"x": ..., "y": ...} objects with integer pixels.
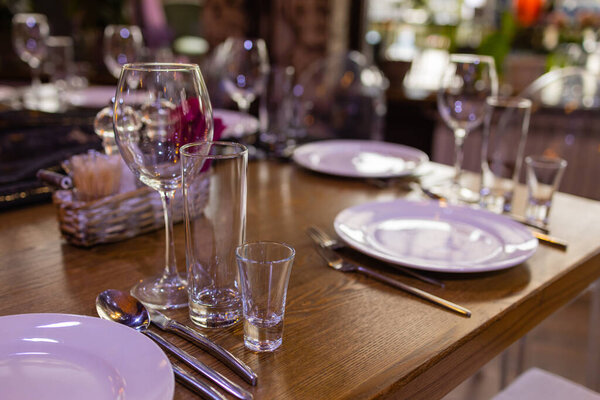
[{"x": 401, "y": 49}]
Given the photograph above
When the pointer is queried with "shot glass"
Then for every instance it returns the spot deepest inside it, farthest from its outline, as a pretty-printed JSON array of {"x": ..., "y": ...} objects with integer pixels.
[
  {"x": 264, "y": 269},
  {"x": 543, "y": 177},
  {"x": 504, "y": 135},
  {"x": 214, "y": 190}
]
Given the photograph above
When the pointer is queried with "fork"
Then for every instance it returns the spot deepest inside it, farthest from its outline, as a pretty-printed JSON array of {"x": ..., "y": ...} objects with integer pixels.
[
  {"x": 326, "y": 241},
  {"x": 336, "y": 262}
]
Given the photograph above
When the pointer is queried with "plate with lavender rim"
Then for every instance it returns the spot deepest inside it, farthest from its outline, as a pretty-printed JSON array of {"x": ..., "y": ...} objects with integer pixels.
[
  {"x": 435, "y": 236},
  {"x": 62, "y": 356}
]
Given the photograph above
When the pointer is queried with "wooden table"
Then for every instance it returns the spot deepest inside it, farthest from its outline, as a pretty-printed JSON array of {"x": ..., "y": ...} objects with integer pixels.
[{"x": 346, "y": 336}]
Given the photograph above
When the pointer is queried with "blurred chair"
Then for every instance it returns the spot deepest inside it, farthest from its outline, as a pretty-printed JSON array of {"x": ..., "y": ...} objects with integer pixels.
[
  {"x": 536, "y": 384},
  {"x": 342, "y": 96}
]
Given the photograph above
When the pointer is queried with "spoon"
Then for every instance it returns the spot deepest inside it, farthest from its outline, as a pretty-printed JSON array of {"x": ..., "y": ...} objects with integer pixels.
[{"x": 125, "y": 309}]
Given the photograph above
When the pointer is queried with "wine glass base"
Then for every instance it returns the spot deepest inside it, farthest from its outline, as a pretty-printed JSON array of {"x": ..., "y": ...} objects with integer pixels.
[{"x": 162, "y": 293}]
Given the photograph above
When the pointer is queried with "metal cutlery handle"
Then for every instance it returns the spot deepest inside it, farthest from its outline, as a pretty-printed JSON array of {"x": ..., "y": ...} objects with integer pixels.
[
  {"x": 417, "y": 292},
  {"x": 206, "y": 391},
  {"x": 551, "y": 240},
  {"x": 205, "y": 370},
  {"x": 416, "y": 275},
  {"x": 526, "y": 222},
  {"x": 237, "y": 365}
]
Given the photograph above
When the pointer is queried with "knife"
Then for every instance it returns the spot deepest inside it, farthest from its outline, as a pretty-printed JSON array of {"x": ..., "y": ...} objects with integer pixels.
[
  {"x": 238, "y": 366},
  {"x": 209, "y": 373},
  {"x": 206, "y": 391},
  {"x": 551, "y": 240}
]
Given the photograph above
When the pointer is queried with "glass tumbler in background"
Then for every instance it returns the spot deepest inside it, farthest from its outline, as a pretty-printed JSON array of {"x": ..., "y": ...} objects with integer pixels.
[
  {"x": 214, "y": 190},
  {"x": 543, "y": 178},
  {"x": 504, "y": 135},
  {"x": 275, "y": 112},
  {"x": 265, "y": 269},
  {"x": 60, "y": 61}
]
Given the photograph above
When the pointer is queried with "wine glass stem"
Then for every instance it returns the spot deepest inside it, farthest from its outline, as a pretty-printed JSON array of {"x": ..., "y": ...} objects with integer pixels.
[
  {"x": 170, "y": 262},
  {"x": 459, "y": 140},
  {"x": 243, "y": 105},
  {"x": 36, "y": 81}
]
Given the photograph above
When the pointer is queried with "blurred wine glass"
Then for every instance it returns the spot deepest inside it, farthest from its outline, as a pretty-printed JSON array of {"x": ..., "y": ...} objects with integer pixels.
[
  {"x": 466, "y": 83},
  {"x": 245, "y": 66},
  {"x": 29, "y": 35},
  {"x": 159, "y": 108},
  {"x": 122, "y": 44}
]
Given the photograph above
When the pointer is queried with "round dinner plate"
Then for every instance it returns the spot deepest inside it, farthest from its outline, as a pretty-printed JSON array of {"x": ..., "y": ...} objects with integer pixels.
[
  {"x": 237, "y": 124},
  {"x": 61, "y": 356},
  {"x": 359, "y": 158},
  {"x": 435, "y": 237}
]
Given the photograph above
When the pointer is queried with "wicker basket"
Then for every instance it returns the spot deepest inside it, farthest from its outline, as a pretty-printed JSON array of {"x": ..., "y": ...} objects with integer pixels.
[{"x": 117, "y": 217}]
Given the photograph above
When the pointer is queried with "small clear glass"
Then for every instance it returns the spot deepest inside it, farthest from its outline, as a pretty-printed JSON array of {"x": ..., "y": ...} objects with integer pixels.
[
  {"x": 214, "y": 192},
  {"x": 543, "y": 178},
  {"x": 265, "y": 269},
  {"x": 60, "y": 61}
]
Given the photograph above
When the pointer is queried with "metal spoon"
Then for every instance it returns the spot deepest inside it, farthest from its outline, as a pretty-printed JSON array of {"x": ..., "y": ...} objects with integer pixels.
[{"x": 125, "y": 309}]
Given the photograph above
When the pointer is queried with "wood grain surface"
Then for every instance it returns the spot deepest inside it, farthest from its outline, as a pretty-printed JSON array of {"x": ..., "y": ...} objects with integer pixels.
[{"x": 346, "y": 336}]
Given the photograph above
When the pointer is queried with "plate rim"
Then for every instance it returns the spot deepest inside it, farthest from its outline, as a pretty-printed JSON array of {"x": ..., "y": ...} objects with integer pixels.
[
  {"x": 423, "y": 157},
  {"x": 228, "y": 134},
  {"x": 476, "y": 268},
  {"x": 112, "y": 328}
]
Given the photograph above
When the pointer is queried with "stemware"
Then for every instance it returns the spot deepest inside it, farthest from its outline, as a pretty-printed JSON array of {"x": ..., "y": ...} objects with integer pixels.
[
  {"x": 122, "y": 44},
  {"x": 29, "y": 35},
  {"x": 159, "y": 108},
  {"x": 245, "y": 67},
  {"x": 466, "y": 83}
]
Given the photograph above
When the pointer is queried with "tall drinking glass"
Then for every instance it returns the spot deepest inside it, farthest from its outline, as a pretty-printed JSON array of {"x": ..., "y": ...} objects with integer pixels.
[
  {"x": 245, "y": 68},
  {"x": 158, "y": 109},
  {"x": 122, "y": 44},
  {"x": 466, "y": 83},
  {"x": 29, "y": 35}
]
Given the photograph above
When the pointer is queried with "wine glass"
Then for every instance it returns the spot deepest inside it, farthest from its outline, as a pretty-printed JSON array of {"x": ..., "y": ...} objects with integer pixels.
[
  {"x": 245, "y": 67},
  {"x": 159, "y": 108},
  {"x": 466, "y": 82},
  {"x": 29, "y": 35},
  {"x": 122, "y": 44}
]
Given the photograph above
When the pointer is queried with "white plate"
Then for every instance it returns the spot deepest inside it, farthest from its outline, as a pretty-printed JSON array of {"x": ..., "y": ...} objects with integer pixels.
[
  {"x": 237, "y": 124},
  {"x": 61, "y": 356},
  {"x": 92, "y": 96},
  {"x": 435, "y": 237},
  {"x": 359, "y": 158}
]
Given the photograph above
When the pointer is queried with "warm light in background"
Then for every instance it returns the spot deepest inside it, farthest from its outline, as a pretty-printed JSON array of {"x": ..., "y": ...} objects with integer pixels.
[{"x": 528, "y": 11}]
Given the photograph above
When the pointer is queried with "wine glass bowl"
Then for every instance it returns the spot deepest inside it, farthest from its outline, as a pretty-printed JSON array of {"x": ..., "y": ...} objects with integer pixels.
[
  {"x": 158, "y": 109},
  {"x": 466, "y": 83},
  {"x": 121, "y": 44},
  {"x": 30, "y": 33},
  {"x": 245, "y": 67}
]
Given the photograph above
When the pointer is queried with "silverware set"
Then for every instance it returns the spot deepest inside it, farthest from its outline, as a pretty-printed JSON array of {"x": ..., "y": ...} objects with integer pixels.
[
  {"x": 335, "y": 261},
  {"x": 123, "y": 308}
]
